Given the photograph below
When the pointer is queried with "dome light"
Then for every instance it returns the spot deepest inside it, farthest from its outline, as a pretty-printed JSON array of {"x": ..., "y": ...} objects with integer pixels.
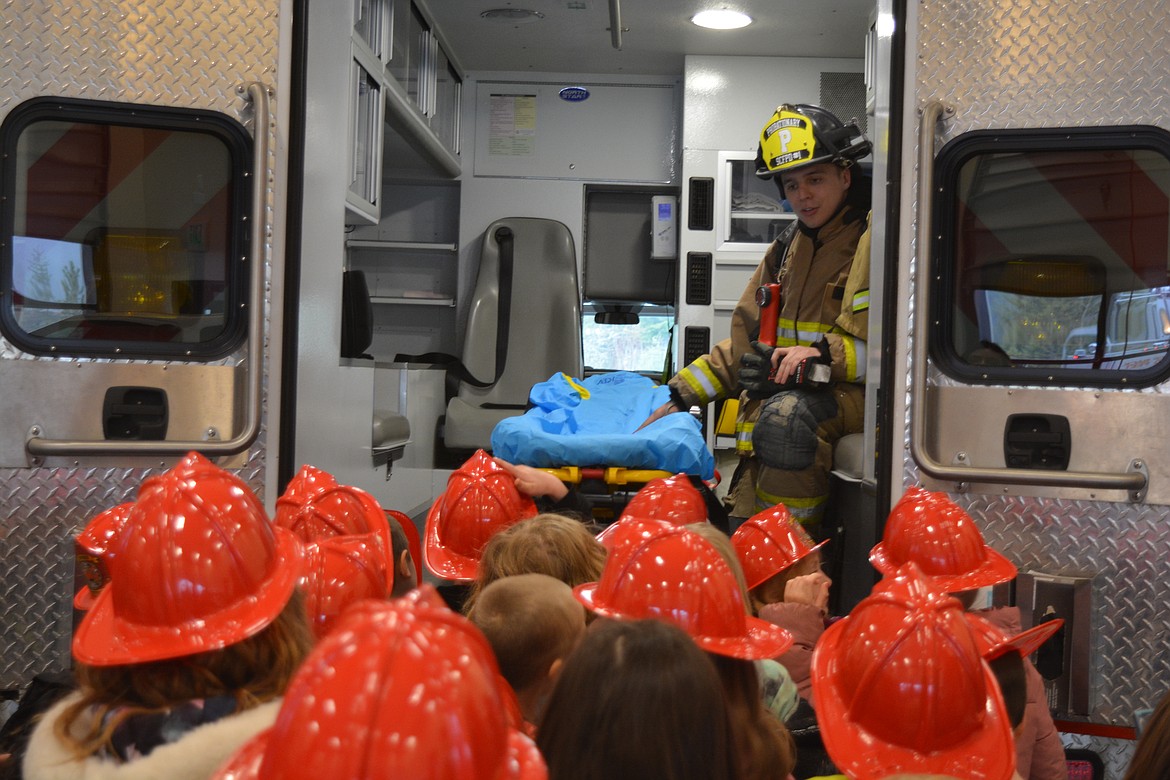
[{"x": 722, "y": 19}]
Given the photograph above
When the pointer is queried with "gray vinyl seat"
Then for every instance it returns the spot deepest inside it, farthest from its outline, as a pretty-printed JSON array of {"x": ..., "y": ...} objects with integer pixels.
[{"x": 544, "y": 331}]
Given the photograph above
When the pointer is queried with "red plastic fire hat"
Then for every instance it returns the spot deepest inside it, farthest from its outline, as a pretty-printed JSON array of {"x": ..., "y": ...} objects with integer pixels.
[
  {"x": 629, "y": 530},
  {"x": 403, "y": 688},
  {"x": 769, "y": 542},
  {"x": 934, "y": 532},
  {"x": 340, "y": 571},
  {"x": 993, "y": 642},
  {"x": 197, "y": 567},
  {"x": 93, "y": 546},
  {"x": 341, "y": 510},
  {"x": 901, "y": 688},
  {"x": 673, "y": 499},
  {"x": 308, "y": 482},
  {"x": 677, "y": 576},
  {"x": 480, "y": 501}
]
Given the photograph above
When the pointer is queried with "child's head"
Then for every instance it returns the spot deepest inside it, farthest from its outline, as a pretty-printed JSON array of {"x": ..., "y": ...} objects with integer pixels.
[
  {"x": 659, "y": 698},
  {"x": 404, "y": 686},
  {"x": 201, "y": 602},
  {"x": 774, "y": 549},
  {"x": 765, "y": 746},
  {"x": 1005, "y": 657},
  {"x": 675, "y": 575},
  {"x": 559, "y": 546},
  {"x": 404, "y": 569},
  {"x": 339, "y": 571},
  {"x": 901, "y": 687},
  {"x": 92, "y": 548},
  {"x": 1152, "y": 757},
  {"x": 480, "y": 501},
  {"x": 308, "y": 482},
  {"x": 532, "y": 623},
  {"x": 673, "y": 499},
  {"x": 722, "y": 544},
  {"x": 932, "y": 531}
]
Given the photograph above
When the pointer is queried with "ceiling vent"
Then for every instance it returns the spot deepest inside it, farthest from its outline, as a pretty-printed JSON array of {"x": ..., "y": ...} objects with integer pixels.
[{"x": 511, "y": 15}]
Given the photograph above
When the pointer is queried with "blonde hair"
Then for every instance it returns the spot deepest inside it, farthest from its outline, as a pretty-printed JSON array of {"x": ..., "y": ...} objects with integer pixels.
[
  {"x": 254, "y": 670},
  {"x": 722, "y": 543},
  {"x": 559, "y": 546}
]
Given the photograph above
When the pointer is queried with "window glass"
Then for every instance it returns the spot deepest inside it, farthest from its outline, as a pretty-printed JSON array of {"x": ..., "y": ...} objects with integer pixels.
[
  {"x": 639, "y": 347},
  {"x": 1053, "y": 256},
  {"x": 122, "y": 231}
]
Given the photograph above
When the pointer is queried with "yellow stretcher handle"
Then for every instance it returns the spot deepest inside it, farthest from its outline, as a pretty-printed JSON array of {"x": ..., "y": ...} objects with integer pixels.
[{"x": 612, "y": 475}]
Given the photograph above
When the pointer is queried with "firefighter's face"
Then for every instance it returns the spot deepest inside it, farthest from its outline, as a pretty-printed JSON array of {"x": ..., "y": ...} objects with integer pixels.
[{"x": 816, "y": 192}]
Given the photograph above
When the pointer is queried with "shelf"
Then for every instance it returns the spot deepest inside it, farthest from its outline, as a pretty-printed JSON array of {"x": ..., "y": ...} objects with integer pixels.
[
  {"x": 419, "y": 246},
  {"x": 393, "y": 299}
]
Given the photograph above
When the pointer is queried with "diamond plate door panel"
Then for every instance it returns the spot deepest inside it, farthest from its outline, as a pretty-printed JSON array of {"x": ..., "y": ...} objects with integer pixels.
[
  {"x": 171, "y": 53},
  {"x": 1014, "y": 64}
]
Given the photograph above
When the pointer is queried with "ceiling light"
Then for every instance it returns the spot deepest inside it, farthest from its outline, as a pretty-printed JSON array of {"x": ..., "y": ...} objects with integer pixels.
[
  {"x": 721, "y": 19},
  {"x": 511, "y": 15}
]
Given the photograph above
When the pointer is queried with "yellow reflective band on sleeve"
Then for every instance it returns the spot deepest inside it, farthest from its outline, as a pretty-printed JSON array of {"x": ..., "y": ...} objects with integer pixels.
[
  {"x": 804, "y": 510},
  {"x": 854, "y": 358},
  {"x": 861, "y": 301},
  {"x": 790, "y": 334},
  {"x": 702, "y": 380},
  {"x": 583, "y": 392},
  {"x": 743, "y": 437}
]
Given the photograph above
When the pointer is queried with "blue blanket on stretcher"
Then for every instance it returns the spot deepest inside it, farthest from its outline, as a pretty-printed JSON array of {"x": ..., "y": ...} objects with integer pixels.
[{"x": 593, "y": 422}]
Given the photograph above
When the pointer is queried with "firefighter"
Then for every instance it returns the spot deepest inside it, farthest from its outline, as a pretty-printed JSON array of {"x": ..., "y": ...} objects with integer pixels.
[{"x": 790, "y": 413}]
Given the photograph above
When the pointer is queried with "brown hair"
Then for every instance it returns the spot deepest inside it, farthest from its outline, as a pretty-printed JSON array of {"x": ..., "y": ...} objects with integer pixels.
[
  {"x": 1152, "y": 757},
  {"x": 765, "y": 747},
  {"x": 559, "y": 546},
  {"x": 638, "y": 699},
  {"x": 1013, "y": 684},
  {"x": 530, "y": 620},
  {"x": 254, "y": 670}
]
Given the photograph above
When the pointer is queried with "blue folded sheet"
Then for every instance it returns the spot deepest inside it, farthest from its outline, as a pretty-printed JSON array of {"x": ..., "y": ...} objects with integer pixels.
[{"x": 592, "y": 422}]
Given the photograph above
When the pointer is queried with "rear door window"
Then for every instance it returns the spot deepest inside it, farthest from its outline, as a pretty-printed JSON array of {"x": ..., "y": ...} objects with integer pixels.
[
  {"x": 124, "y": 230},
  {"x": 1052, "y": 256}
]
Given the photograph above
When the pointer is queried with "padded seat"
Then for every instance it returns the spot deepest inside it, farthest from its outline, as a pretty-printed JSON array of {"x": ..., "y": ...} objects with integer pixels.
[{"x": 543, "y": 329}]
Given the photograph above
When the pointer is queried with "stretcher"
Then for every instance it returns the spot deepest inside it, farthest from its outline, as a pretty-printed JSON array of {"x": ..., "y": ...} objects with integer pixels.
[{"x": 586, "y": 432}]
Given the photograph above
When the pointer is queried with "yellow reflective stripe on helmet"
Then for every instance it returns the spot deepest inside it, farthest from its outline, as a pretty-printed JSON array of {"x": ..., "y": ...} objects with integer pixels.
[
  {"x": 803, "y": 509},
  {"x": 743, "y": 437},
  {"x": 860, "y": 301},
  {"x": 703, "y": 381}
]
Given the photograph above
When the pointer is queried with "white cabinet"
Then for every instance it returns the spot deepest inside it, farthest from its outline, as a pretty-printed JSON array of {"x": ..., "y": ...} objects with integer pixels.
[{"x": 405, "y": 81}]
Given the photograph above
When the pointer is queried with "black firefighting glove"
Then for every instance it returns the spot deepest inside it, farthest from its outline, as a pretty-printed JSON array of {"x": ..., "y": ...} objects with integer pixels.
[
  {"x": 806, "y": 373},
  {"x": 755, "y": 372}
]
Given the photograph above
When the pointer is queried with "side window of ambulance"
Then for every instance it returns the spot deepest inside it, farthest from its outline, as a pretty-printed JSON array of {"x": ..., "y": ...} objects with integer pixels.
[
  {"x": 123, "y": 230},
  {"x": 1052, "y": 256}
]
